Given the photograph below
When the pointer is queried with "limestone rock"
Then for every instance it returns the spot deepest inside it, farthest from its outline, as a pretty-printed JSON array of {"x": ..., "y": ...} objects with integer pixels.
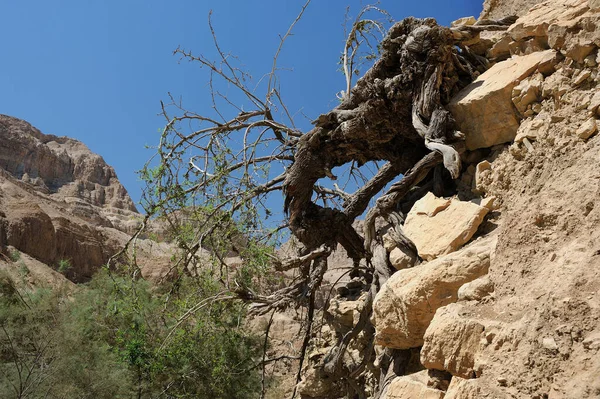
[
  {"x": 500, "y": 49},
  {"x": 476, "y": 289},
  {"x": 451, "y": 342},
  {"x": 60, "y": 202},
  {"x": 314, "y": 384},
  {"x": 581, "y": 77},
  {"x": 401, "y": 260},
  {"x": 566, "y": 25},
  {"x": 438, "y": 230},
  {"x": 540, "y": 17},
  {"x": 64, "y": 166},
  {"x": 556, "y": 85},
  {"x": 483, "y": 172},
  {"x": 461, "y": 388},
  {"x": 487, "y": 202},
  {"x": 388, "y": 243},
  {"x": 484, "y": 110},
  {"x": 494, "y": 9},
  {"x": 406, "y": 303},
  {"x": 411, "y": 387},
  {"x": 465, "y": 21},
  {"x": 576, "y": 38},
  {"x": 594, "y": 106},
  {"x": 587, "y": 129},
  {"x": 532, "y": 129},
  {"x": 592, "y": 341},
  {"x": 344, "y": 312},
  {"x": 527, "y": 92},
  {"x": 590, "y": 61},
  {"x": 430, "y": 205}
]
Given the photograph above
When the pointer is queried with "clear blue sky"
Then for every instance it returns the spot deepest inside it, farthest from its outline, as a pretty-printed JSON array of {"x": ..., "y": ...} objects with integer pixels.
[{"x": 97, "y": 70}]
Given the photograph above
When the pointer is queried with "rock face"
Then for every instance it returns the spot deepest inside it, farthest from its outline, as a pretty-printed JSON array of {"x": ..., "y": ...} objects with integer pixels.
[
  {"x": 411, "y": 386},
  {"x": 462, "y": 389},
  {"x": 484, "y": 110},
  {"x": 59, "y": 166},
  {"x": 496, "y": 9},
  {"x": 476, "y": 290},
  {"x": 452, "y": 342},
  {"x": 407, "y": 302},
  {"x": 438, "y": 226},
  {"x": 59, "y": 202}
]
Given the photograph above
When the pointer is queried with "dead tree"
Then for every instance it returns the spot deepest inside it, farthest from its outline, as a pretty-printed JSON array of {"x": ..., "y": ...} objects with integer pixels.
[{"x": 396, "y": 113}]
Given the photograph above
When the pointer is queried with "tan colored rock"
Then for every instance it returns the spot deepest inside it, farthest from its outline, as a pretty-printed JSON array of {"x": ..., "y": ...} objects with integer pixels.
[
  {"x": 576, "y": 38},
  {"x": 500, "y": 49},
  {"x": 587, "y": 129},
  {"x": 388, "y": 243},
  {"x": 315, "y": 385},
  {"x": 464, "y": 21},
  {"x": 437, "y": 231},
  {"x": 461, "y": 388},
  {"x": 451, "y": 342},
  {"x": 581, "y": 77},
  {"x": 493, "y": 9},
  {"x": 541, "y": 16},
  {"x": 476, "y": 290},
  {"x": 64, "y": 168},
  {"x": 592, "y": 341},
  {"x": 532, "y": 129},
  {"x": 484, "y": 110},
  {"x": 482, "y": 176},
  {"x": 60, "y": 202},
  {"x": 401, "y": 260},
  {"x": 344, "y": 312},
  {"x": 590, "y": 61},
  {"x": 594, "y": 4},
  {"x": 556, "y": 85},
  {"x": 406, "y": 303},
  {"x": 527, "y": 92},
  {"x": 595, "y": 104},
  {"x": 430, "y": 205},
  {"x": 487, "y": 202},
  {"x": 411, "y": 387}
]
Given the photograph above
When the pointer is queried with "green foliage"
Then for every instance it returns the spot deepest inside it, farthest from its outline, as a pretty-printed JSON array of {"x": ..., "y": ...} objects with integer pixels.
[
  {"x": 15, "y": 255},
  {"x": 64, "y": 265},
  {"x": 118, "y": 338},
  {"x": 23, "y": 269},
  {"x": 45, "y": 354}
]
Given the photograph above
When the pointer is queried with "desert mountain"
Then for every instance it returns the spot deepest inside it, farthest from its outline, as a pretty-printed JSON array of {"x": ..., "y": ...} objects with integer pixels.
[{"x": 59, "y": 202}]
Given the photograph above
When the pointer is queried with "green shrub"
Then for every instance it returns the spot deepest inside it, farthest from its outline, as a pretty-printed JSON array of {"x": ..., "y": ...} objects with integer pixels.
[
  {"x": 64, "y": 265},
  {"x": 118, "y": 338},
  {"x": 14, "y": 255}
]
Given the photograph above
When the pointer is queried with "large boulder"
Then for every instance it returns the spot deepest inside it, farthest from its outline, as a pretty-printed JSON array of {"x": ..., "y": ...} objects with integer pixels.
[
  {"x": 570, "y": 26},
  {"x": 452, "y": 342},
  {"x": 407, "y": 302},
  {"x": 410, "y": 387},
  {"x": 461, "y": 388},
  {"x": 536, "y": 22},
  {"x": 484, "y": 110},
  {"x": 476, "y": 290},
  {"x": 438, "y": 226}
]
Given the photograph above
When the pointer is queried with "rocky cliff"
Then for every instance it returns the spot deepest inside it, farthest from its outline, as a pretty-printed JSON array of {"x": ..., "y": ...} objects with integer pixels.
[
  {"x": 505, "y": 303},
  {"x": 60, "y": 203}
]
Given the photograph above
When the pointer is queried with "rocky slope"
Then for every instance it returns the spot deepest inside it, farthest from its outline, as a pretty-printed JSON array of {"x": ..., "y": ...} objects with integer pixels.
[
  {"x": 62, "y": 204},
  {"x": 505, "y": 304}
]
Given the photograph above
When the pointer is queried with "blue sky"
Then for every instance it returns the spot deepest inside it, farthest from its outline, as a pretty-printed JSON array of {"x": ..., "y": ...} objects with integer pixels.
[{"x": 97, "y": 70}]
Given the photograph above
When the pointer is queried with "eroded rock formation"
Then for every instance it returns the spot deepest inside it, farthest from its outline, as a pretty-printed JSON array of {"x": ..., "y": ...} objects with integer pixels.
[{"x": 59, "y": 202}]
